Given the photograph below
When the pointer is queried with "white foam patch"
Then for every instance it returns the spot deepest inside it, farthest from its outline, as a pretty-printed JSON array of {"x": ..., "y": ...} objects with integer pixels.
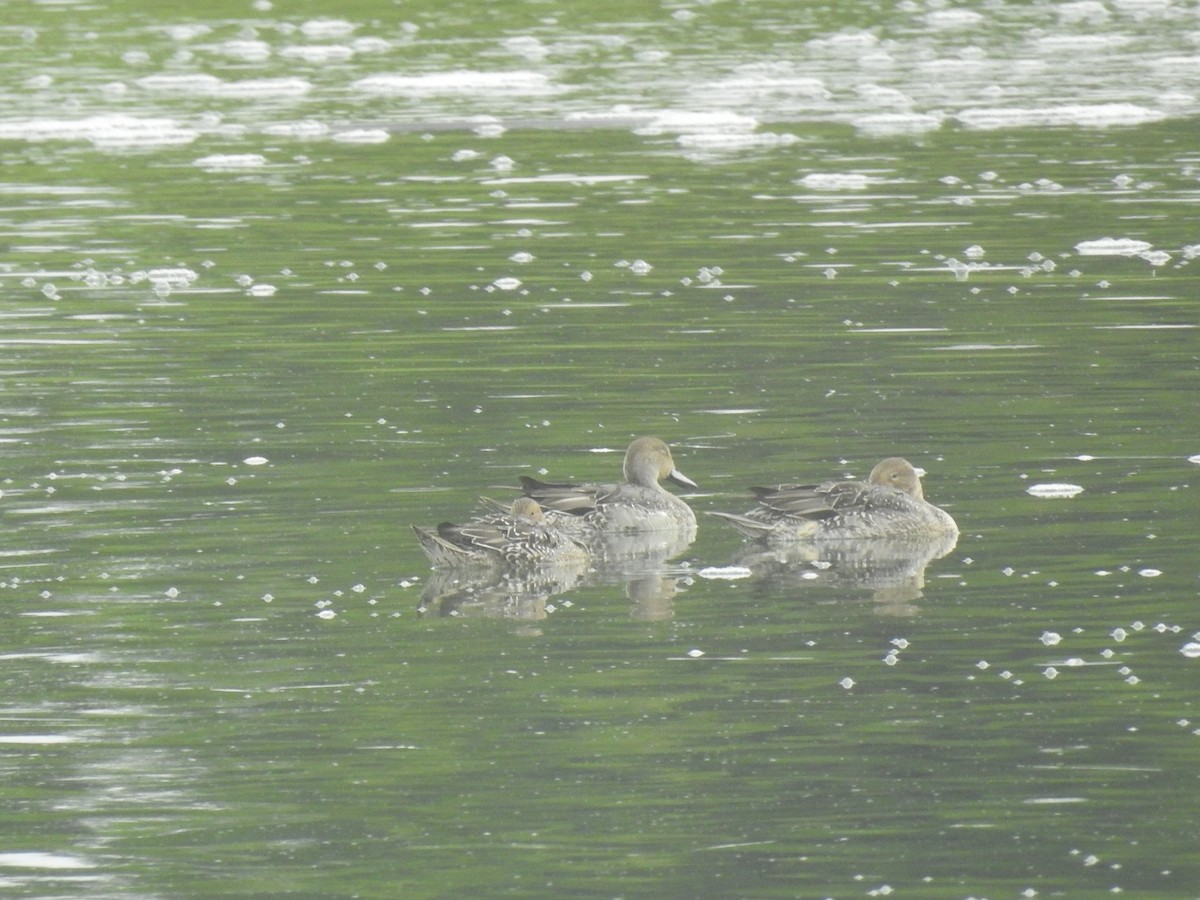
[
  {"x": 325, "y": 29},
  {"x": 36, "y": 860},
  {"x": 751, "y": 84},
  {"x": 191, "y": 83},
  {"x": 1054, "y": 491},
  {"x": 671, "y": 121},
  {"x": 735, "y": 141},
  {"x": 362, "y": 136},
  {"x": 316, "y": 54},
  {"x": 834, "y": 181},
  {"x": 725, "y": 572},
  {"x": 307, "y": 128},
  {"x": 264, "y": 87},
  {"x": 245, "y": 50},
  {"x": 463, "y": 81},
  {"x": 211, "y": 86},
  {"x": 946, "y": 19},
  {"x": 118, "y": 132},
  {"x": 224, "y": 162},
  {"x": 1098, "y": 115},
  {"x": 883, "y": 124},
  {"x": 1112, "y": 247}
]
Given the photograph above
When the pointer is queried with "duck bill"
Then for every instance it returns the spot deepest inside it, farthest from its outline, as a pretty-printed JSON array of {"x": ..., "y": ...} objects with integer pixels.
[{"x": 681, "y": 479}]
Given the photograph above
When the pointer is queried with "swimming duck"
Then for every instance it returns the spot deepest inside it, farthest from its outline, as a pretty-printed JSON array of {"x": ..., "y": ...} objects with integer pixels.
[
  {"x": 638, "y": 504},
  {"x": 519, "y": 536},
  {"x": 889, "y": 503}
]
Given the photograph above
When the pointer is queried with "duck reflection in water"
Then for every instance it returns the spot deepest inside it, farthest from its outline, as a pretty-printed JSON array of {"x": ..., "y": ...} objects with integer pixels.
[
  {"x": 506, "y": 563},
  {"x": 891, "y": 569},
  {"x": 878, "y": 534}
]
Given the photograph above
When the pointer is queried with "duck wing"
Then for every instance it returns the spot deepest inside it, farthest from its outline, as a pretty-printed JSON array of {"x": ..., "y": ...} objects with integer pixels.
[
  {"x": 571, "y": 499},
  {"x": 799, "y": 501}
]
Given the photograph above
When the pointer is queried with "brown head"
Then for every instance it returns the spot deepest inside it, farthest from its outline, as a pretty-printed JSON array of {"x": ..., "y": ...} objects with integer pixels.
[
  {"x": 897, "y": 473},
  {"x": 648, "y": 461},
  {"x": 527, "y": 508}
]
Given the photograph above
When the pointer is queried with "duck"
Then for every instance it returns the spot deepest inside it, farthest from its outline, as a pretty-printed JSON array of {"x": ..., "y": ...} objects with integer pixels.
[
  {"x": 890, "y": 503},
  {"x": 638, "y": 504},
  {"x": 521, "y": 535}
]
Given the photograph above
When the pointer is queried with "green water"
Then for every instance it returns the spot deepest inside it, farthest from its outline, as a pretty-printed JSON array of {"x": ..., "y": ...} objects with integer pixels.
[{"x": 228, "y": 669}]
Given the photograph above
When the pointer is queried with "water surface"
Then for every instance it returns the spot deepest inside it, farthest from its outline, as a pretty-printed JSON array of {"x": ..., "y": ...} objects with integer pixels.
[{"x": 278, "y": 284}]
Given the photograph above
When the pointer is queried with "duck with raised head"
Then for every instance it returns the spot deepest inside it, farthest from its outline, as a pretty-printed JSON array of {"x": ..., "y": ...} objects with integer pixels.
[
  {"x": 519, "y": 536},
  {"x": 890, "y": 503},
  {"x": 639, "y": 503}
]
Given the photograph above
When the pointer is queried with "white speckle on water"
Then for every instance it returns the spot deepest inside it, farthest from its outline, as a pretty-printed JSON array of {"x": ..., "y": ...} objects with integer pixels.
[
  {"x": 255, "y": 460},
  {"x": 223, "y": 162},
  {"x": 847, "y": 683},
  {"x": 695, "y": 654},
  {"x": 326, "y": 614},
  {"x": 1119, "y": 634},
  {"x": 1050, "y": 638},
  {"x": 1050, "y": 672},
  {"x": 172, "y": 592},
  {"x": 1149, "y": 573},
  {"x": 982, "y": 665},
  {"x": 262, "y": 290},
  {"x": 1191, "y": 649},
  {"x": 506, "y": 284},
  {"x": 1054, "y": 490}
]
